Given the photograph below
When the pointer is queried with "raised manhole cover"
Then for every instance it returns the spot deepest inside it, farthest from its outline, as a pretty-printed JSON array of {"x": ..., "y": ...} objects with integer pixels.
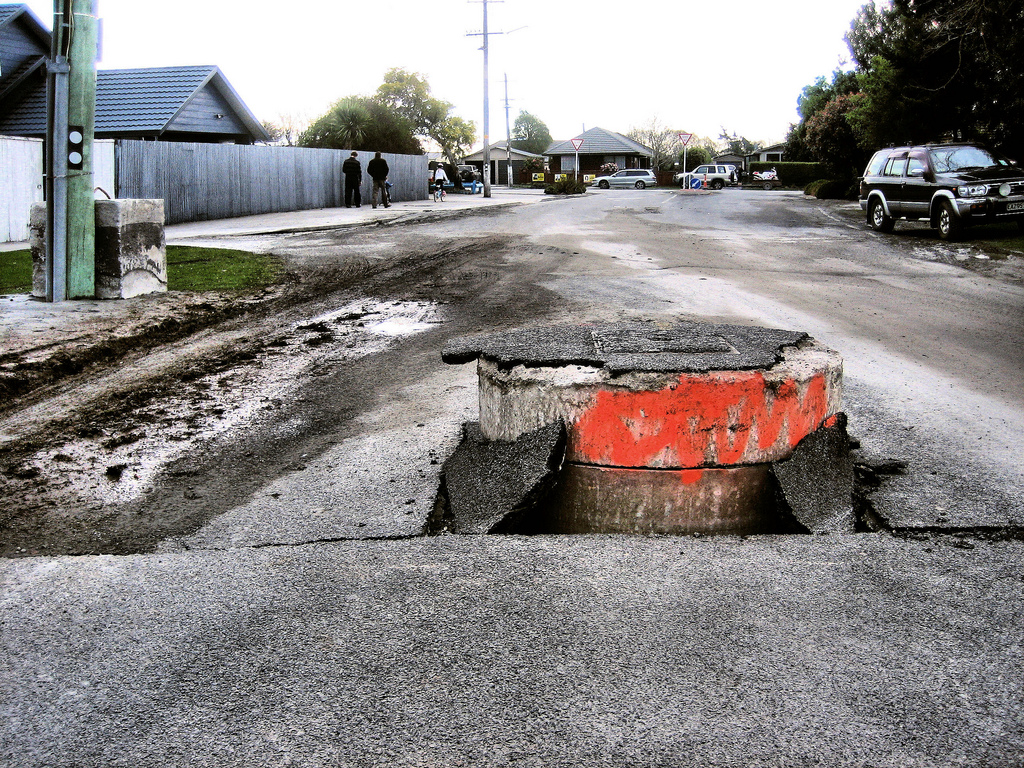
[{"x": 668, "y": 429}]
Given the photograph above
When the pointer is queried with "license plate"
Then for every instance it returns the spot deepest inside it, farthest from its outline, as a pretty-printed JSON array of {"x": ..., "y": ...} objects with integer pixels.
[{"x": 1015, "y": 206}]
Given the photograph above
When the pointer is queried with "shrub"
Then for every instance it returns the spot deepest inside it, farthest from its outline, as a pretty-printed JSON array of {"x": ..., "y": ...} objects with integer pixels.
[
  {"x": 812, "y": 188},
  {"x": 568, "y": 186},
  {"x": 792, "y": 174},
  {"x": 833, "y": 189}
]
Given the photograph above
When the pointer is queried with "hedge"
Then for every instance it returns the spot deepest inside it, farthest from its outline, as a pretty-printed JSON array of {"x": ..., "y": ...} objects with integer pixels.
[{"x": 793, "y": 174}]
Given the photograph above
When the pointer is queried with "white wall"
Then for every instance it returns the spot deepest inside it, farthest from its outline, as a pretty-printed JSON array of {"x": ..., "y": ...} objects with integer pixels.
[
  {"x": 21, "y": 184},
  {"x": 21, "y": 172}
]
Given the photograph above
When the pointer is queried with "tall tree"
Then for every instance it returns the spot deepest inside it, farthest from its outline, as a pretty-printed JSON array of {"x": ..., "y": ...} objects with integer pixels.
[
  {"x": 935, "y": 68},
  {"x": 530, "y": 134},
  {"x": 408, "y": 94}
]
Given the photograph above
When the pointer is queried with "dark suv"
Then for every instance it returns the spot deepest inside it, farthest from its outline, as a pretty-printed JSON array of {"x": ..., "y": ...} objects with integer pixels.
[{"x": 950, "y": 185}]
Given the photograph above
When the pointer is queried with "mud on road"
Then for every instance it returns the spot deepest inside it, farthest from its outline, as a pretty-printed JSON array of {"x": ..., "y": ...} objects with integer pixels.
[{"x": 114, "y": 443}]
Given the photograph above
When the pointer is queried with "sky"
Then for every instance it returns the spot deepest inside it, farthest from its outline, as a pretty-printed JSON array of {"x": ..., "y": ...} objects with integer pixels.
[{"x": 690, "y": 65}]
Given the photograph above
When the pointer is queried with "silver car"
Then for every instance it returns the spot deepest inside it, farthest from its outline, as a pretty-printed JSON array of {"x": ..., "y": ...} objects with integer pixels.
[{"x": 638, "y": 178}]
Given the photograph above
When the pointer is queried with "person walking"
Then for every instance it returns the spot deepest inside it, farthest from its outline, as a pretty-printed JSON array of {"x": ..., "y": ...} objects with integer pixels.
[
  {"x": 378, "y": 170},
  {"x": 353, "y": 178}
]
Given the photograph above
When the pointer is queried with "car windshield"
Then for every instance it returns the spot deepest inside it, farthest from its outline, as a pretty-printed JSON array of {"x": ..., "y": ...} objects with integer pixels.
[{"x": 952, "y": 159}]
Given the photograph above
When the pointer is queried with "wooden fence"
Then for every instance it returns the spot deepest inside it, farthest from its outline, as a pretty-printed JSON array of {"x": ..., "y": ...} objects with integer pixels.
[{"x": 199, "y": 182}]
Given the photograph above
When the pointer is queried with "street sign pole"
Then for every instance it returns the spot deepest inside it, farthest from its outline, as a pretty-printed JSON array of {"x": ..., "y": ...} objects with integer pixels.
[
  {"x": 685, "y": 138},
  {"x": 576, "y": 144}
]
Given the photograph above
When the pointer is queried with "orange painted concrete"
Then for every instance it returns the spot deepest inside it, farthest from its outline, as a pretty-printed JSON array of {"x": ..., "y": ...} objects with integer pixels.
[{"x": 701, "y": 420}]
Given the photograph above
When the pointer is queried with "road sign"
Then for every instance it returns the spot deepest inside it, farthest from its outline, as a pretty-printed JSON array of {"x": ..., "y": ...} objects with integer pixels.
[
  {"x": 695, "y": 182},
  {"x": 576, "y": 144},
  {"x": 685, "y": 138}
]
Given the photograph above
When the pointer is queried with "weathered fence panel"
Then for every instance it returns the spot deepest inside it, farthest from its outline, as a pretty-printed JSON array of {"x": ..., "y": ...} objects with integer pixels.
[
  {"x": 21, "y": 169},
  {"x": 199, "y": 182}
]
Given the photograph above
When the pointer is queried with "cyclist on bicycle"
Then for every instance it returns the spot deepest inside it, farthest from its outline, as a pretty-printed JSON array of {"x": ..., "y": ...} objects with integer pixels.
[{"x": 440, "y": 177}]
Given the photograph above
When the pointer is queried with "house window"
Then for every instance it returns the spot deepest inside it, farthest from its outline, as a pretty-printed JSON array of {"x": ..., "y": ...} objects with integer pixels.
[
  {"x": 568, "y": 162},
  {"x": 775, "y": 157}
]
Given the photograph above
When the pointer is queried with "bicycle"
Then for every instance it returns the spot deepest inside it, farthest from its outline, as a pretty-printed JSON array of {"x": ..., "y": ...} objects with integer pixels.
[{"x": 439, "y": 193}]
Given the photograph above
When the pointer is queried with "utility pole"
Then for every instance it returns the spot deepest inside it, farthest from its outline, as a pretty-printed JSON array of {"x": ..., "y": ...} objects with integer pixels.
[
  {"x": 71, "y": 120},
  {"x": 487, "y": 103},
  {"x": 508, "y": 138}
]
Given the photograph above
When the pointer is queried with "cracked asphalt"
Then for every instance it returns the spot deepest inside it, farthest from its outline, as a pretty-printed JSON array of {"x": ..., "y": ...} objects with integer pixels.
[{"x": 262, "y": 595}]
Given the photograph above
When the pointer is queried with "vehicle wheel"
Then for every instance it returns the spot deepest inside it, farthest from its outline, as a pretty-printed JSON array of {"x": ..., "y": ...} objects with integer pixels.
[
  {"x": 767, "y": 185},
  {"x": 717, "y": 184},
  {"x": 949, "y": 222},
  {"x": 879, "y": 220},
  {"x": 682, "y": 183},
  {"x": 603, "y": 185},
  {"x": 640, "y": 185}
]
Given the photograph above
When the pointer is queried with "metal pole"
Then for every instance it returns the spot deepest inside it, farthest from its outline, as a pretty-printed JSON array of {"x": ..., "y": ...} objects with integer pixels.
[
  {"x": 57, "y": 72},
  {"x": 487, "y": 121}
]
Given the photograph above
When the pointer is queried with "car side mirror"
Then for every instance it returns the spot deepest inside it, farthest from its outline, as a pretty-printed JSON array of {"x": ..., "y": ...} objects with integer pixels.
[{"x": 917, "y": 173}]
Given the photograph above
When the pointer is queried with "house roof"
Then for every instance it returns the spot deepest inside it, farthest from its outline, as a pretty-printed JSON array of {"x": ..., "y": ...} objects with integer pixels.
[
  {"x": 499, "y": 146},
  {"x": 17, "y": 65},
  {"x": 598, "y": 141},
  {"x": 137, "y": 101},
  {"x": 129, "y": 102},
  {"x": 772, "y": 148}
]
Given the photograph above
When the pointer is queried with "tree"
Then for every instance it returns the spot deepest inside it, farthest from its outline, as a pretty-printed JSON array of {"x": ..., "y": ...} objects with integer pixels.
[
  {"x": 939, "y": 68},
  {"x": 739, "y": 145},
  {"x": 695, "y": 155},
  {"x": 530, "y": 134},
  {"x": 812, "y": 100},
  {"x": 663, "y": 142},
  {"x": 286, "y": 129},
  {"x": 408, "y": 95},
  {"x": 832, "y": 139},
  {"x": 358, "y": 122}
]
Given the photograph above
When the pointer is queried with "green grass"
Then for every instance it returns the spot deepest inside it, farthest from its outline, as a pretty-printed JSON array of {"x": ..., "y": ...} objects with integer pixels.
[
  {"x": 15, "y": 271},
  {"x": 188, "y": 269},
  {"x": 219, "y": 269}
]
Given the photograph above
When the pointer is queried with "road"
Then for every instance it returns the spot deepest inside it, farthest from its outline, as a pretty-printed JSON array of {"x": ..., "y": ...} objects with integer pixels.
[{"x": 262, "y": 487}]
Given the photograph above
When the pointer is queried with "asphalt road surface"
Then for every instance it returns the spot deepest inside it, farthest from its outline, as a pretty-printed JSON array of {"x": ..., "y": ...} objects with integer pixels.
[{"x": 216, "y": 549}]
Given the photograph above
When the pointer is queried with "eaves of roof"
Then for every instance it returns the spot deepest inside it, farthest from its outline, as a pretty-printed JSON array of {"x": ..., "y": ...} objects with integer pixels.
[
  {"x": 599, "y": 141},
  {"x": 138, "y": 101}
]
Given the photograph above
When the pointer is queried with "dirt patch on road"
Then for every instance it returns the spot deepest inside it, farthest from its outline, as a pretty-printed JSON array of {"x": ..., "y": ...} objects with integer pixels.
[{"x": 112, "y": 449}]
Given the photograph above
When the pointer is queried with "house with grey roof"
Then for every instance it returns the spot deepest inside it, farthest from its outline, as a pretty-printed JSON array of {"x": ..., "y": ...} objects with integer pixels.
[
  {"x": 499, "y": 158},
  {"x": 190, "y": 104},
  {"x": 599, "y": 147}
]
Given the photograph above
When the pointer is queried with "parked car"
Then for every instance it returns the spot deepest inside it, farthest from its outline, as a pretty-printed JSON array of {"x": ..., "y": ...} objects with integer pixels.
[
  {"x": 714, "y": 176},
  {"x": 469, "y": 173},
  {"x": 639, "y": 178},
  {"x": 950, "y": 185}
]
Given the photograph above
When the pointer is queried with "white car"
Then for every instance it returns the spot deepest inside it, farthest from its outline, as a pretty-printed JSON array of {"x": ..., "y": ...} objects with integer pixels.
[
  {"x": 710, "y": 176},
  {"x": 638, "y": 178}
]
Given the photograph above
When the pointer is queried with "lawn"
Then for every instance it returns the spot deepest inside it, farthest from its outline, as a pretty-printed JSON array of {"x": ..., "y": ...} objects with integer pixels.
[
  {"x": 15, "y": 271},
  {"x": 188, "y": 269}
]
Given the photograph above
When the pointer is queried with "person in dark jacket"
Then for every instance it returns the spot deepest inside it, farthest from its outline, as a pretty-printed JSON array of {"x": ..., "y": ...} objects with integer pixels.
[
  {"x": 378, "y": 170},
  {"x": 353, "y": 178}
]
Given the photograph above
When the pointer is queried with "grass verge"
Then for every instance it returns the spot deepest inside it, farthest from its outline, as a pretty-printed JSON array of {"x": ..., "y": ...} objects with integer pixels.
[
  {"x": 15, "y": 271},
  {"x": 219, "y": 269},
  {"x": 188, "y": 269}
]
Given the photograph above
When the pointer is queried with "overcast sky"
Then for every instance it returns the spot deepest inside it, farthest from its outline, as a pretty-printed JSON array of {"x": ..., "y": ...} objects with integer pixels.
[{"x": 693, "y": 66}]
